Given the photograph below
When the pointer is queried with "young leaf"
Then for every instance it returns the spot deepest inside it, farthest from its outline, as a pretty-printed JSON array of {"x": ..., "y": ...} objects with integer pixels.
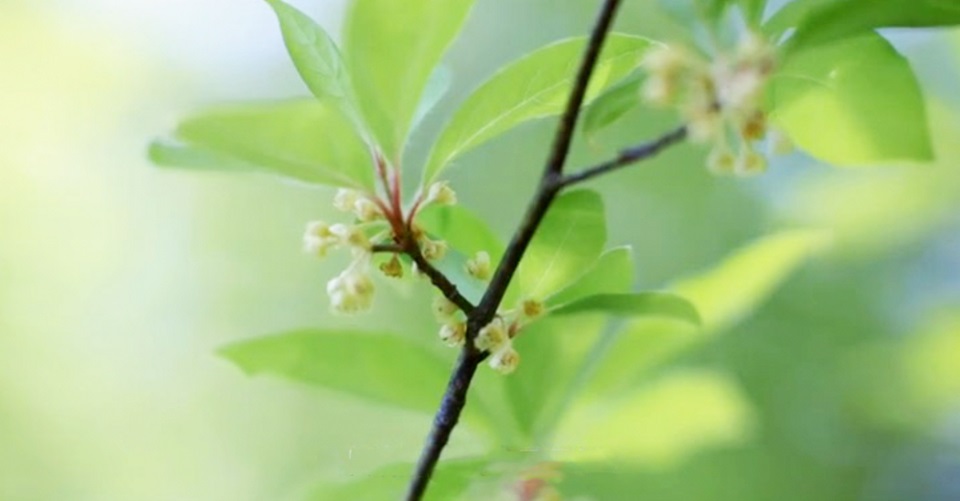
[
  {"x": 612, "y": 273},
  {"x": 852, "y": 102},
  {"x": 658, "y": 424},
  {"x": 726, "y": 293},
  {"x": 612, "y": 105},
  {"x": 304, "y": 140},
  {"x": 462, "y": 229},
  {"x": 653, "y": 304},
  {"x": 820, "y": 22},
  {"x": 392, "y": 47},
  {"x": 169, "y": 153},
  {"x": 437, "y": 86},
  {"x": 535, "y": 86},
  {"x": 313, "y": 53},
  {"x": 380, "y": 367},
  {"x": 569, "y": 240}
]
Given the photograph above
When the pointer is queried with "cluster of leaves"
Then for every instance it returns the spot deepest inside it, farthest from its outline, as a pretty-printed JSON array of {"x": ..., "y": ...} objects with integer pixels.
[{"x": 840, "y": 91}]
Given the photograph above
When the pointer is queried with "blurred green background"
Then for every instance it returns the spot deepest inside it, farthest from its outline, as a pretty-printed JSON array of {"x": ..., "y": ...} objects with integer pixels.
[{"x": 118, "y": 281}]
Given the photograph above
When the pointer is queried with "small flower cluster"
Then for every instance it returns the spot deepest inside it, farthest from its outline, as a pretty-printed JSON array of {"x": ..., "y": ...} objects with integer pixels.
[
  {"x": 497, "y": 336},
  {"x": 719, "y": 100},
  {"x": 352, "y": 290}
]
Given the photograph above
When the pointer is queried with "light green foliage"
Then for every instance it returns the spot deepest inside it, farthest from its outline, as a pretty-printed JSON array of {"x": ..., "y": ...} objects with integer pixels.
[
  {"x": 569, "y": 240},
  {"x": 314, "y": 54},
  {"x": 167, "y": 153},
  {"x": 611, "y": 273},
  {"x": 710, "y": 11},
  {"x": 462, "y": 229},
  {"x": 658, "y": 424},
  {"x": 380, "y": 367},
  {"x": 612, "y": 105},
  {"x": 818, "y": 21},
  {"x": 392, "y": 47},
  {"x": 734, "y": 288},
  {"x": 646, "y": 304},
  {"x": 535, "y": 86},
  {"x": 437, "y": 86},
  {"x": 303, "y": 140},
  {"x": 853, "y": 102},
  {"x": 450, "y": 480}
]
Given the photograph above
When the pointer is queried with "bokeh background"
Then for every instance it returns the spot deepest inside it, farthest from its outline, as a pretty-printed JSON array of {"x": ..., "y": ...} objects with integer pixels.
[{"x": 118, "y": 281}]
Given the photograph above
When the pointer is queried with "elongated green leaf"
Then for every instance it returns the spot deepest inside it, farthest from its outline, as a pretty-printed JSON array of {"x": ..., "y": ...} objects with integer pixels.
[
  {"x": 723, "y": 295},
  {"x": 437, "y": 86},
  {"x": 314, "y": 54},
  {"x": 569, "y": 240},
  {"x": 304, "y": 140},
  {"x": 612, "y": 273},
  {"x": 820, "y": 22},
  {"x": 853, "y": 102},
  {"x": 535, "y": 86},
  {"x": 658, "y": 424},
  {"x": 380, "y": 367},
  {"x": 640, "y": 304},
  {"x": 168, "y": 153},
  {"x": 612, "y": 105},
  {"x": 392, "y": 47},
  {"x": 462, "y": 229},
  {"x": 726, "y": 293}
]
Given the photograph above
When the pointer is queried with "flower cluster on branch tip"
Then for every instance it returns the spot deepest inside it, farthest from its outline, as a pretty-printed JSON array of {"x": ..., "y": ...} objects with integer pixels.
[{"x": 720, "y": 99}]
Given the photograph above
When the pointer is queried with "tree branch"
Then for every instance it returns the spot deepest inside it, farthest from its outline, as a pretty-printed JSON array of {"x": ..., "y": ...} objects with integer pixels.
[
  {"x": 455, "y": 396},
  {"x": 626, "y": 157},
  {"x": 437, "y": 278}
]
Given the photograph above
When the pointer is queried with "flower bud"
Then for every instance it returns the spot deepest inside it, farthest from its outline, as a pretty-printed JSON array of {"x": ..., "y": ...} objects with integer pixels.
[
  {"x": 754, "y": 127},
  {"x": 750, "y": 162},
  {"x": 666, "y": 61},
  {"x": 658, "y": 91},
  {"x": 345, "y": 199},
  {"x": 479, "y": 266},
  {"x": 318, "y": 239},
  {"x": 492, "y": 337},
  {"x": 453, "y": 334},
  {"x": 531, "y": 308},
  {"x": 505, "y": 360},
  {"x": 366, "y": 210},
  {"x": 441, "y": 193},
  {"x": 443, "y": 309},
  {"x": 350, "y": 235},
  {"x": 392, "y": 268},
  {"x": 721, "y": 160},
  {"x": 433, "y": 250},
  {"x": 351, "y": 291},
  {"x": 703, "y": 125}
]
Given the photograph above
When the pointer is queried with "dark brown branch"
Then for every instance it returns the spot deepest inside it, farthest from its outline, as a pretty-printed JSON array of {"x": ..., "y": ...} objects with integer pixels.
[
  {"x": 384, "y": 248},
  {"x": 454, "y": 399},
  {"x": 626, "y": 157},
  {"x": 455, "y": 396},
  {"x": 437, "y": 278},
  {"x": 552, "y": 171}
]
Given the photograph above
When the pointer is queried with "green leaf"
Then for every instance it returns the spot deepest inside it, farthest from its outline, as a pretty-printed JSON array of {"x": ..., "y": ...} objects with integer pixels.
[
  {"x": 711, "y": 11},
  {"x": 612, "y": 273},
  {"x": 651, "y": 304},
  {"x": 734, "y": 288},
  {"x": 171, "y": 153},
  {"x": 462, "y": 229},
  {"x": 304, "y": 140},
  {"x": 820, "y": 22},
  {"x": 612, "y": 105},
  {"x": 380, "y": 367},
  {"x": 569, "y": 241},
  {"x": 535, "y": 86},
  {"x": 853, "y": 102},
  {"x": 437, "y": 86},
  {"x": 450, "y": 480},
  {"x": 392, "y": 47},
  {"x": 314, "y": 54},
  {"x": 658, "y": 424}
]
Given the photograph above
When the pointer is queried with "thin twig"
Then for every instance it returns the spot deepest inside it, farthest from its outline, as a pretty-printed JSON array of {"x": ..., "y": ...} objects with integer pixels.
[
  {"x": 455, "y": 396},
  {"x": 437, "y": 278},
  {"x": 626, "y": 157}
]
